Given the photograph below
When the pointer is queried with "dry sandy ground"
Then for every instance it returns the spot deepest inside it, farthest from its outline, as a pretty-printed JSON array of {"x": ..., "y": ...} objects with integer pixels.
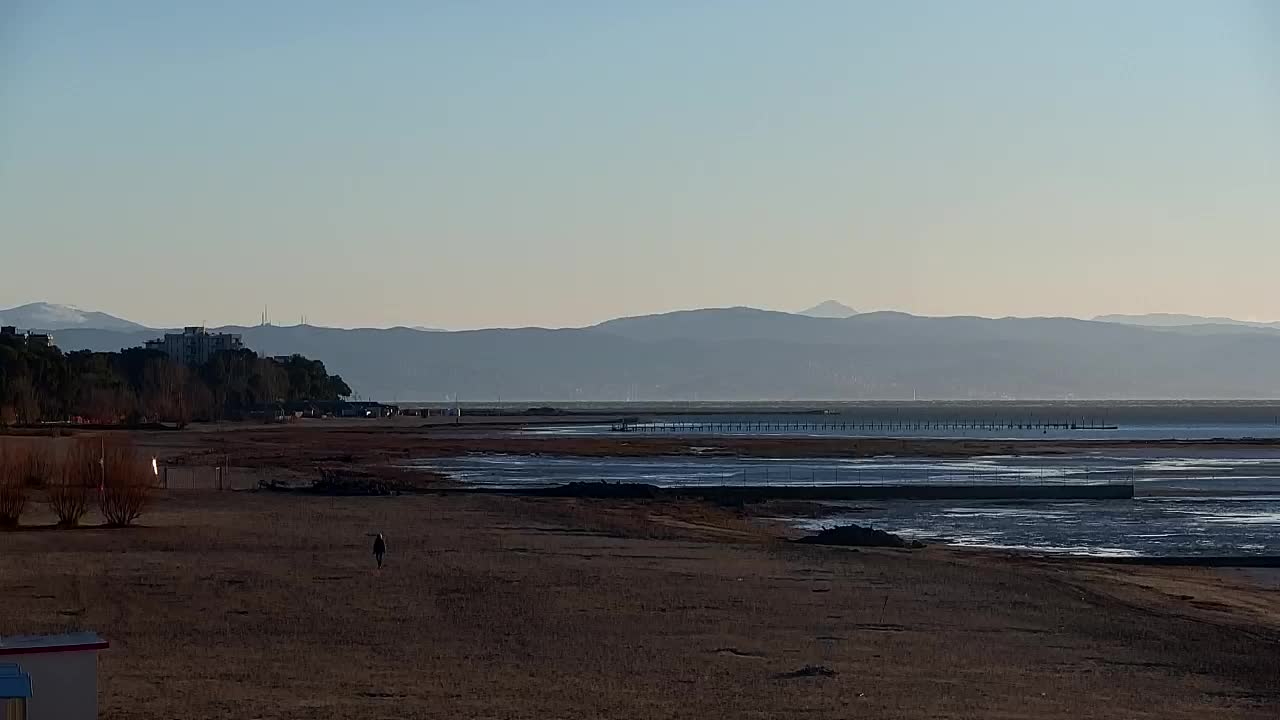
[{"x": 268, "y": 606}]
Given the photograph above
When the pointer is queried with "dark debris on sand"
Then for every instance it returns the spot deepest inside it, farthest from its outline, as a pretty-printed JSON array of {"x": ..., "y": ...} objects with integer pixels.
[
  {"x": 807, "y": 671},
  {"x": 858, "y": 536}
]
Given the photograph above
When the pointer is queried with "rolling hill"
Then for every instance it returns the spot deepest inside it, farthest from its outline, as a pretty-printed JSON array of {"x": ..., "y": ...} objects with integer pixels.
[{"x": 1171, "y": 320}]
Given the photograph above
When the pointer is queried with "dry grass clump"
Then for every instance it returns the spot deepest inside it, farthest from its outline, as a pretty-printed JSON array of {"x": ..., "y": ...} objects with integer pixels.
[
  {"x": 127, "y": 483},
  {"x": 13, "y": 490}
]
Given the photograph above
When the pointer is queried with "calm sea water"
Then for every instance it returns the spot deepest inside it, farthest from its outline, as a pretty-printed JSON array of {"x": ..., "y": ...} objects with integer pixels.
[
  {"x": 1224, "y": 504},
  {"x": 1252, "y": 472}
]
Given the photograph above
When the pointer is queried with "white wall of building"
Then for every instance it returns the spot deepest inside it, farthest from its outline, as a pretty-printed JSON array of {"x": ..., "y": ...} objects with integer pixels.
[{"x": 64, "y": 685}]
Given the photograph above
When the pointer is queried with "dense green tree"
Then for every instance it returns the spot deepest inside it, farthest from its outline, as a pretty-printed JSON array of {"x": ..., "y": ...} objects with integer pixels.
[{"x": 41, "y": 383}]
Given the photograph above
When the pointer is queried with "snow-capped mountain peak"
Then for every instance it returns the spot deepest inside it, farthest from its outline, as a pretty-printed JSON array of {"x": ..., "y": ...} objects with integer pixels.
[
  {"x": 52, "y": 316},
  {"x": 830, "y": 309}
]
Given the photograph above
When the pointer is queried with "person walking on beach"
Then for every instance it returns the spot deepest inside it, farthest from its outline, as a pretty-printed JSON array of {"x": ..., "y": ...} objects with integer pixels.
[{"x": 379, "y": 549}]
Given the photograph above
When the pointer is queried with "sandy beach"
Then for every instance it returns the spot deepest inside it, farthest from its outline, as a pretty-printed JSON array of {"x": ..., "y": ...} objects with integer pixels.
[
  {"x": 495, "y": 606},
  {"x": 510, "y": 607}
]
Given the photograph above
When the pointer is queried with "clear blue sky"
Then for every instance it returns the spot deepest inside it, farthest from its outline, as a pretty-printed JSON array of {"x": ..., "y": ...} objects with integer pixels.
[{"x": 476, "y": 163}]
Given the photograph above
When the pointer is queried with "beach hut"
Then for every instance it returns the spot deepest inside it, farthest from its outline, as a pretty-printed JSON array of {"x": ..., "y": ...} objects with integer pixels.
[
  {"x": 51, "y": 677},
  {"x": 15, "y": 690}
]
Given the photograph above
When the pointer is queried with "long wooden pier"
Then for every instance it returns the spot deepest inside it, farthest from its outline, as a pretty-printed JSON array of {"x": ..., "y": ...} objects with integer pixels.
[{"x": 844, "y": 426}]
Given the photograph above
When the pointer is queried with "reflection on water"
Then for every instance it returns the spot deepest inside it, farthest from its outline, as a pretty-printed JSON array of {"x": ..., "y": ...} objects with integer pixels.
[{"x": 1144, "y": 526}]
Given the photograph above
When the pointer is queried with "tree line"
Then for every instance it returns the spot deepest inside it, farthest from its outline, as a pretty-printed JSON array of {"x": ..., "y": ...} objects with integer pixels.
[{"x": 42, "y": 384}]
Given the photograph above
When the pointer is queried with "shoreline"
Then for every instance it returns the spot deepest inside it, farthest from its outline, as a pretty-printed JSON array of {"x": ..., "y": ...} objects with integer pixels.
[{"x": 294, "y": 453}]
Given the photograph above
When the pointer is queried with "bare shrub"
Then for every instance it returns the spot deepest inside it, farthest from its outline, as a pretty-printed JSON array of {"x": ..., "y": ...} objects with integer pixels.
[
  {"x": 126, "y": 484},
  {"x": 39, "y": 467},
  {"x": 13, "y": 490},
  {"x": 70, "y": 488}
]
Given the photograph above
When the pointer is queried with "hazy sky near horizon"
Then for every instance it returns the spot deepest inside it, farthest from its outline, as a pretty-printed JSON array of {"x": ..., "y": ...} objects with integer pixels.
[{"x": 463, "y": 164}]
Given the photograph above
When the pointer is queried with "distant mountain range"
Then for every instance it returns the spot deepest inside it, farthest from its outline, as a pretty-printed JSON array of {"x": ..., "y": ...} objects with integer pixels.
[
  {"x": 48, "y": 316},
  {"x": 52, "y": 316},
  {"x": 1175, "y": 320},
  {"x": 748, "y": 354}
]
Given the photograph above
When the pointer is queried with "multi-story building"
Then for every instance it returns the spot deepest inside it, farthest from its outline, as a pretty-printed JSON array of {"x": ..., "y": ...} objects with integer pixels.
[
  {"x": 33, "y": 339},
  {"x": 194, "y": 345}
]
